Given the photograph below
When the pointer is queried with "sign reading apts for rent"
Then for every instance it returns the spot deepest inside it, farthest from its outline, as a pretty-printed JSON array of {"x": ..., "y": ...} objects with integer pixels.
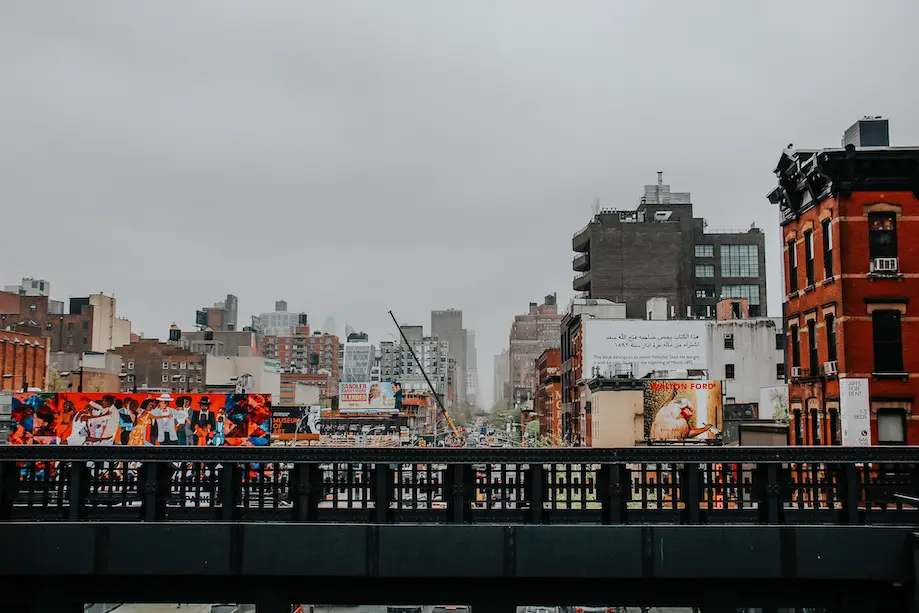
[{"x": 855, "y": 412}]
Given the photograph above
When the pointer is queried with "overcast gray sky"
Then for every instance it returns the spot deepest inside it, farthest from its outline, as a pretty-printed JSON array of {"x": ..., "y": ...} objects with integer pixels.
[{"x": 356, "y": 157}]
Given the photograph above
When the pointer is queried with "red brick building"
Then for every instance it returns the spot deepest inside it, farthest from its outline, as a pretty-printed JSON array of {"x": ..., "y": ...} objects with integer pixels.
[
  {"x": 23, "y": 361},
  {"x": 547, "y": 401},
  {"x": 149, "y": 363},
  {"x": 72, "y": 333},
  {"x": 850, "y": 226}
]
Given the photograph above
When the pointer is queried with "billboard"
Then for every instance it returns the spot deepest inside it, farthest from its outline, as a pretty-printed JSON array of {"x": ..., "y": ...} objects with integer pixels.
[
  {"x": 644, "y": 346},
  {"x": 296, "y": 423},
  {"x": 139, "y": 420},
  {"x": 773, "y": 403},
  {"x": 854, "y": 412},
  {"x": 682, "y": 410},
  {"x": 375, "y": 397}
]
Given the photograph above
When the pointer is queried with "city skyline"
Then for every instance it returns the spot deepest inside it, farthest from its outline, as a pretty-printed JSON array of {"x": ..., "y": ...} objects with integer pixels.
[{"x": 471, "y": 164}]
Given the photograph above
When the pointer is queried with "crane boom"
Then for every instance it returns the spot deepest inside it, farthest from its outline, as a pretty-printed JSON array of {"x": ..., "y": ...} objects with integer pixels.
[{"x": 437, "y": 399}]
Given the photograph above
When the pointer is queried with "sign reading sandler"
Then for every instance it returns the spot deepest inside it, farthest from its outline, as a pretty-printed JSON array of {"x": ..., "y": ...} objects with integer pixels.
[{"x": 375, "y": 397}]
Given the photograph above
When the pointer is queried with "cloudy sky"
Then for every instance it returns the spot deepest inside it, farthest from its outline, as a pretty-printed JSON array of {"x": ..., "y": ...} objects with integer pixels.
[{"x": 357, "y": 157}]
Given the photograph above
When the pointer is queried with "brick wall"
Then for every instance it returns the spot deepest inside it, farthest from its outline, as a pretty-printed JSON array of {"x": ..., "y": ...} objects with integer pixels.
[
  {"x": 25, "y": 359},
  {"x": 849, "y": 296}
]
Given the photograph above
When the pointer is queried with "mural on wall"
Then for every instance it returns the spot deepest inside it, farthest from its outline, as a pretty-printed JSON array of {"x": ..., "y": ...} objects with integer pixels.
[
  {"x": 682, "y": 411},
  {"x": 139, "y": 420}
]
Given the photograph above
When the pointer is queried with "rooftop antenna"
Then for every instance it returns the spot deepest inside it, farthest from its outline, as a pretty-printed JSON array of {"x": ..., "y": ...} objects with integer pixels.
[{"x": 596, "y": 205}]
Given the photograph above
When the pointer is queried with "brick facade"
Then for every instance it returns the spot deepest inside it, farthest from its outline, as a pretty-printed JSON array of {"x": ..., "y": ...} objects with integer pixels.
[
  {"x": 72, "y": 333},
  {"x": 151, "y": 363},
  {"x": 547, "y": 402},
  {"x": 23, "y": 361},
  {"x": 846, "y": 292}
]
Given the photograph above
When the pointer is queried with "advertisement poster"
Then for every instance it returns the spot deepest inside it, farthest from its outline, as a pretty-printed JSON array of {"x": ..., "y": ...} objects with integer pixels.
[
  {"x": 296, "y": 423},
  {"x": 682, "y": 411},
  {"x": 139, "y": 420},
  {"x": 773, "y": 403},
  {"x": 376, "y": 397},
  {"x": 643, "y": 346},
  {"x": 854, "y": 412}
]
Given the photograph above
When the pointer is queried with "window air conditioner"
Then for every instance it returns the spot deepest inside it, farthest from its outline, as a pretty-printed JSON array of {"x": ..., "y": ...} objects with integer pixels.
[
  {"x": 884, "y": 265},
  {"x": 795, "y": 372},
  {"x": 830, "y": 368}
]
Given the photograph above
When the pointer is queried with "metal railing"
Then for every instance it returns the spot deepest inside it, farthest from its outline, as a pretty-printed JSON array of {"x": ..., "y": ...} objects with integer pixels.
[{"x": 679, "y": 485}]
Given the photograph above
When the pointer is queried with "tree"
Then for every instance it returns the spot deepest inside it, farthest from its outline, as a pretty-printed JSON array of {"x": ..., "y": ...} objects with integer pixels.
[
  {"x": 54, "y": 382},
  {"x": 94, "y": 382},
  {"x": 533, "y": 428}
]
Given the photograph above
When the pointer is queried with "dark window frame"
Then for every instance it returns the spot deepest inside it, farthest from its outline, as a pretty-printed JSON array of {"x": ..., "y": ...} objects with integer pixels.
[
  {"x": 729, "y": 371},
  {"x": 792, "y": 267},
  {"x": 882, "y": 235},
  {"x": 795, "y": 346},
  {"x": 896, "y": 413},
  {"x": 835, "y": 427},
  {"x": 728, "y": 341},
  {"x": 809, "y": 257},
  {"x": 887, "y": 336},
  {"x": 813, "y": 357},
  {"x": 780, "y": 370},
  {"x": 829, "y": 322},
  {"x": 827, "y": 248}
]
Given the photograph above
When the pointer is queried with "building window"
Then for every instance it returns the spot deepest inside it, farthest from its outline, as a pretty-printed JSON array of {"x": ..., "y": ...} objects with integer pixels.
[
  {"x": 705, "y": 251},
  {"x": 748, "y": 292},
  {"x": 705, "y": 270},
  {"x": 728, "y": 371},
  {"x": 812, "y": 360},
  {"x": 809, "y": 257},
  {"x": 882, "y": 235},
  {"x": 830, "y": 322},
  {"x": 835, "y": 433},
  {"x": 779, "y": 341},
  {"x": 728, "y": 341},
  {"x": 891, "y": 427},
  {"x": 799, "y": 427},
  {"x": 815, "y": 428},
  {"x": 182, "y": 379},
  {"x": 739, "y": 261},
  {"x": 792, "y": 268},
  {"x": 705, "y": 291},
  {"x": 827, "y": 249},
  {"x": 704, "y": 311},
  {"x": 70, "y": 341},
  {"x": 130, "y": 365},
  {"x": 165, "y": 365},
  {"x": 888, "y": 342},
  {"x": 175, "y": 365},
  {"x": 780, "y": 370},
  {"x": 165, "y": 378},
  {"x": 795, "y": 347},
  {"x": 182, "y": 365}
]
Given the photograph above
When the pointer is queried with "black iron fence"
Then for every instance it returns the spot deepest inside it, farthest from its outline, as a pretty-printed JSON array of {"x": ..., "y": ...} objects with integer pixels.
[{"x": 681, "y": 485}]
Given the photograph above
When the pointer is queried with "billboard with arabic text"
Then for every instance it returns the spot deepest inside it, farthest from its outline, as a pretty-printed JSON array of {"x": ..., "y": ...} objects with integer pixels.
[{"x": 642, "y": 346}]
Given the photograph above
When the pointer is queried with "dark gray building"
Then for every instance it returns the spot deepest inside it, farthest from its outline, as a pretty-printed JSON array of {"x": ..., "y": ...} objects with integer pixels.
[
  {"x": 660, "y": 250},
  {"x": 868, "y": 132}
]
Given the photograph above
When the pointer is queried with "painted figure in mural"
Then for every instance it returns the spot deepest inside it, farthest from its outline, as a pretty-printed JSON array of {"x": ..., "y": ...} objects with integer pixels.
[
  {"x": 183, "y": 425},
  {"x": 203, "y": 422},
  {"x": 139, "y": 436},
  {"x": 312, "y": 420},
  {"x": 397, "y": 393},
  {"x": 165, "y": 420},
  {"x": 220, "y": 428},
  {"x": 672, "y": 421},
  {"x": 96, "y": 425},
  {"x": 127, "y": 418}
]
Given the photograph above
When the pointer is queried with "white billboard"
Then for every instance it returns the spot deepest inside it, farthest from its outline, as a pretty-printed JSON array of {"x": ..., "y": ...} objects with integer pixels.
[
  {"x": 773, "y": 403},
  {"x": 854, "y": 412},
  {"x": 642, "y": 345}
]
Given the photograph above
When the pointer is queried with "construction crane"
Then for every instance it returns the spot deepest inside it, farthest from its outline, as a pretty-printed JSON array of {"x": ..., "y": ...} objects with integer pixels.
[{"x": 449, "y": 420}]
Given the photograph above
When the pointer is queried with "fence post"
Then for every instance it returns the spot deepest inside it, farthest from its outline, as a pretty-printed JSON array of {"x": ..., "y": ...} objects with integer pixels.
[
  {"x": 535, "y": 491},
  {"x": 77, "y": 491},
  {"x": 458, "y": 493},
  {"x": 383, "y": 490},
  {"x": 611, "y": 485},
  {"x": 155, "y": 486},
  {"x": 691, "y": 493},
  {"x": 230, "y": 491},
  {"x": 851, "y": 493},
  {"x": 9, "y": 489},
  {"x": 768, "y": 492}
]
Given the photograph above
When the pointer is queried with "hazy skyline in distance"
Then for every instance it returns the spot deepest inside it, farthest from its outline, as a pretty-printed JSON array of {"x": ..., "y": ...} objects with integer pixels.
[{"x": 356, "y": 157}]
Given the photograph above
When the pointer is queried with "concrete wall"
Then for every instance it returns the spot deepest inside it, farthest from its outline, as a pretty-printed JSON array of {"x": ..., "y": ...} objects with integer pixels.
[
  {"x": 617, "y": 418},
  {"x": 754, "y": 356},
  {"x": 223, "y": 370}
]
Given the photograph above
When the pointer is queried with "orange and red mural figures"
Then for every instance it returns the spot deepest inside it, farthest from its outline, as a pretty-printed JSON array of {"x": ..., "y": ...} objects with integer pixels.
[{"x": 141, "y": 419}]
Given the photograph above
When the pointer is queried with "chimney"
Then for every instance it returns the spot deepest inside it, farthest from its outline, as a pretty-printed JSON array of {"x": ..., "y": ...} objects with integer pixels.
[{"x": 660, "y": 180}]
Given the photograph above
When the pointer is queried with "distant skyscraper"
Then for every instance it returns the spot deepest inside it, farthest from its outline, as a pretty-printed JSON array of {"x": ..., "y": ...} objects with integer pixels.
[
  {"x": 472, "y": 374},
  {"x": 328, "y": 326},
  {"x": 448, "y": 326},
  {"x": 500, "y": 376}
]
